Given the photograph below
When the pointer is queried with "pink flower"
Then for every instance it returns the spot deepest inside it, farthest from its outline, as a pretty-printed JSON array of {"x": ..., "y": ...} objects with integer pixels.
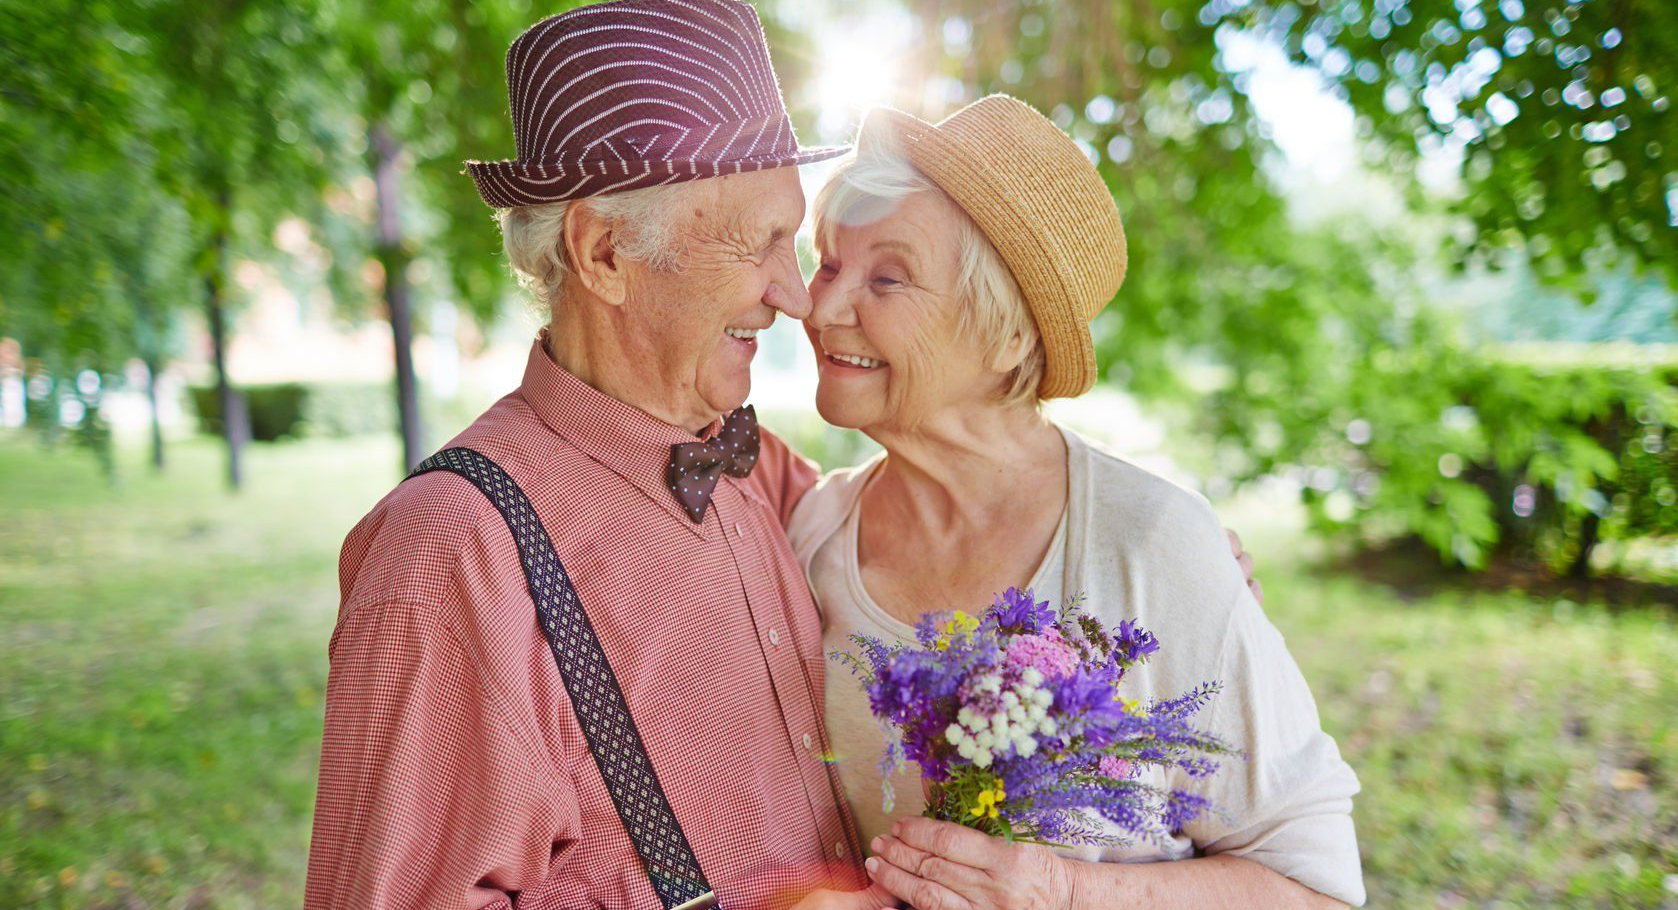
[
  {"x": 1047, "y": 653},
  {"x": 1115, "y": 767}
]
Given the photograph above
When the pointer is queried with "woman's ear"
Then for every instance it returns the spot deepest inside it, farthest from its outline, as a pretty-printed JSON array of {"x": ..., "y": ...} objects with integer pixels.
[
  {"x": 589, "y": 243},
  {"x": 1009, "y": 356}
]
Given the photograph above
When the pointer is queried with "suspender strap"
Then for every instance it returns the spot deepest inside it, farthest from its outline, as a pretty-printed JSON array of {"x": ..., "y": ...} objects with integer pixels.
[{"x": 595, "y": 695}]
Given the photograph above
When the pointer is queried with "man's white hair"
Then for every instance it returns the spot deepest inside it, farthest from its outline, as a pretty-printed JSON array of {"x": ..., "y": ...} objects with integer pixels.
[
  {"x": 644, "y": 220},
  {"x": 868, "y": 186}
]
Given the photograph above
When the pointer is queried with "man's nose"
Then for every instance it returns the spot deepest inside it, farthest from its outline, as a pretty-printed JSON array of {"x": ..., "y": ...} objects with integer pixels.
[
  {"x": 792, "y": 299},
  {"x": 786, "y": 291}
]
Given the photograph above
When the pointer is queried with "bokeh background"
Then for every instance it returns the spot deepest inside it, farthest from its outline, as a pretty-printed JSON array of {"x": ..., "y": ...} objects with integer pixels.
[{"x": 1400, "y": 301}]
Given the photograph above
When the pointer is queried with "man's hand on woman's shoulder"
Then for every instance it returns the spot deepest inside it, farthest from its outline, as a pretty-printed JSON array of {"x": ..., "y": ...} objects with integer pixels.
[{"x": 1245, "y": 561}]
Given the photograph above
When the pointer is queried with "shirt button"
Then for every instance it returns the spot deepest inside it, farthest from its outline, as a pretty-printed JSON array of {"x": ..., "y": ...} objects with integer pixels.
[
  {"x": 738, "y": 530},
  {"x": 839, "y": 850},
  {"x": 807, "y": 740},
  {"x": 775, "y": 636}
]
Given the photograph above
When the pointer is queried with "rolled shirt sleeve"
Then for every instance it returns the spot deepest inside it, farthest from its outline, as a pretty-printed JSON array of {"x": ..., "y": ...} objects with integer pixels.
[
  {"x": 425, "y": 797},
  {"x": 1289, "y": 805}
]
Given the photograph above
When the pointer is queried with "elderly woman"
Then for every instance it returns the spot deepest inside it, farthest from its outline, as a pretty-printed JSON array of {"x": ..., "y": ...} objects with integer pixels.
[{"x": 960, "y": 266}]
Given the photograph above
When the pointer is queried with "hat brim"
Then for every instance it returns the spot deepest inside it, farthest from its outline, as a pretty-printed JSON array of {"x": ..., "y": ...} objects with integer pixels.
[
  {"x": 510, "y": 183},
  {"x": 1069, "y": 367}
]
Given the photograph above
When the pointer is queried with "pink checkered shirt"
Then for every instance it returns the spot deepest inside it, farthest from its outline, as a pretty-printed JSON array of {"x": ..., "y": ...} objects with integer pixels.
[{"x": 454, "y": 774}]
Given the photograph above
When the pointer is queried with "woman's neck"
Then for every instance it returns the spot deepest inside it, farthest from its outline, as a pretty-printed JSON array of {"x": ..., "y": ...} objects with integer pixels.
[{"x": 963, "y": 470}]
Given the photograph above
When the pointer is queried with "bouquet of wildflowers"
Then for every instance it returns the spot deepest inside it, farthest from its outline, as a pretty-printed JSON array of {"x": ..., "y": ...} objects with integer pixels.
[{"x": 1015, "y": 720}]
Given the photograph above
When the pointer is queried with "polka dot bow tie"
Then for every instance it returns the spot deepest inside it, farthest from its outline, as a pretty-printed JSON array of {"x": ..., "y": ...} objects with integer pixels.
[{"x": 695, "y": 466}]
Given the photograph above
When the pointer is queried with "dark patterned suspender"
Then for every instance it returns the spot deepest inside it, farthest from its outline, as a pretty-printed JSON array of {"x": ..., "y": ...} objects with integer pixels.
[{"x": 595, "y": 694}]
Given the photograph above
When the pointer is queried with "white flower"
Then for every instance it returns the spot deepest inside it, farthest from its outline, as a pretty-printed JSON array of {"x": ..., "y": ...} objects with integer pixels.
[
  {"x": 1049, "y": 726},
  {"x": 967, "y": 749},
  {"x": 983, "y": 759},
  {"x": 1016, "y": 714},
  {"x": 1032, "y": 677},
  {"x": 955, "y": 734},
  {"x": 1037, "y": 714},
  {"x": 985, "y": 739}
]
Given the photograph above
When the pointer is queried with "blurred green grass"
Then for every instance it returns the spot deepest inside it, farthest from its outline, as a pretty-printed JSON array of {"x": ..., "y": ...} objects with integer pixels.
[
  {"x": 164, "y": 662},
  {"x": 163, "y": 659}
]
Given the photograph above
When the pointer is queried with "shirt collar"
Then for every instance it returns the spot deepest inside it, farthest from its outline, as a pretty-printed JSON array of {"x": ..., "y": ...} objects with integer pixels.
[{"x": 629, "y": 441}]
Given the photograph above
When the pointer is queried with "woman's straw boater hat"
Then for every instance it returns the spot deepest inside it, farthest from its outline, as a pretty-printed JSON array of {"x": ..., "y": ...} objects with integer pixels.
[{"x": 1039, "y": 201}]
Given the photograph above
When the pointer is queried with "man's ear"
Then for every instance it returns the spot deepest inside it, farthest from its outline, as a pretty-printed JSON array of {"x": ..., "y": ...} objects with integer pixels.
[{"x": 590, "y": 248}]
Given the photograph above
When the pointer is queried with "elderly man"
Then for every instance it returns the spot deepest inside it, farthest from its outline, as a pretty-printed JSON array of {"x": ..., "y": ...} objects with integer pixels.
[
  {"x": 576, "y": 663},
  {"x": 471, "y": 756}
]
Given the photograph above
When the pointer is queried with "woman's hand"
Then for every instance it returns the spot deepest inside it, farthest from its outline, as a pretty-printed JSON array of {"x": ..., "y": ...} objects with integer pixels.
[
  {"x": 942, "y": 866},
  {"x": 874, "y": 898}
]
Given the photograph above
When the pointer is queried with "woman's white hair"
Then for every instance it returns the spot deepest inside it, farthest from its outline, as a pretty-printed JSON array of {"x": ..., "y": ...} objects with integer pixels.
[
  {"x": 646, "y": 221},
  {"x": 870, "y": 185}
]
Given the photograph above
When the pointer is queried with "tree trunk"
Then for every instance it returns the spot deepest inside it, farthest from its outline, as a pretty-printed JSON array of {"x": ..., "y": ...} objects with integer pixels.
[
  {"x": 154, "y": 366},
  {"x": 392, "y": 254},
  {"x": 233, "y": 417},
  {"x": 1589, "y": 534}
]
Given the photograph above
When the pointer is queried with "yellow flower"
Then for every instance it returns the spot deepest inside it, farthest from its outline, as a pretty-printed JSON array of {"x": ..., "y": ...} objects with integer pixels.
[
  {"x": 989, "y": 800},
  {"x": 960, "y": 624}
]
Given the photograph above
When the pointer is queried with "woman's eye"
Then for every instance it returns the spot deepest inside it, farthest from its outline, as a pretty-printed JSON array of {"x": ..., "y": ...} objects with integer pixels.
[{"x": 886, "y": 282}]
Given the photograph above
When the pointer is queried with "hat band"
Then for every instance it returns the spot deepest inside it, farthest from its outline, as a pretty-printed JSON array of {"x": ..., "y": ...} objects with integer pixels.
[{"x": 766, "y": 135}]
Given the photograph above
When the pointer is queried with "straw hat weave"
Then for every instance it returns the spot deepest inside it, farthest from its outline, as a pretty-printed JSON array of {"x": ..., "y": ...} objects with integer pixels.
[{"x": 1040, "y": 202}]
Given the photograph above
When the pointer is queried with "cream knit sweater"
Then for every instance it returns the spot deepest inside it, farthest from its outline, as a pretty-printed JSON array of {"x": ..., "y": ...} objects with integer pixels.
[{"x": 1137, "y": 546}]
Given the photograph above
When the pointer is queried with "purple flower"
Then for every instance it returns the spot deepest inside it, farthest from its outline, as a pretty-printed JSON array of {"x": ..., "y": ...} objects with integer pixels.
[
  {"x": 1181, "y": 808},
  {"x": 1017, "y": 612},
  {"x": 1027, "y": 700},
  {"x": 1132, "y": 644}
]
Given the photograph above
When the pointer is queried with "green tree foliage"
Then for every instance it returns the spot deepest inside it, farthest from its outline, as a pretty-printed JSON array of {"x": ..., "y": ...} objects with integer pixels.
[
  {"x": 95, "y": 264},
  {"x": 1561, "y": 109},
  {"x": 1215, "y": 260},
  {"x": 424, "y": 82},
  {"x": 1312, "y": 349}
]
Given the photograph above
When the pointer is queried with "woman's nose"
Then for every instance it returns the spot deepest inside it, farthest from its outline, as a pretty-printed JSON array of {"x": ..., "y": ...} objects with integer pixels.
[{"x": 830, "y": 305}]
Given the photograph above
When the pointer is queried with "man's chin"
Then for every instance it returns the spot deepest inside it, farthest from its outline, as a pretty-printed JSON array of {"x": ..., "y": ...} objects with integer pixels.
[{"x": 724, "y": 395}]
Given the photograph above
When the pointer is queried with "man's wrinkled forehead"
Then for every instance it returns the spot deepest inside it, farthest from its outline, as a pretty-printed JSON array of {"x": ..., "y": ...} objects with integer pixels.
[{"x": 755, "y": 202}]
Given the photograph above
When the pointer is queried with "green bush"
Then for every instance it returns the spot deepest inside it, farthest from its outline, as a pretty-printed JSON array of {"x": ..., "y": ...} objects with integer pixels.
[
  {"x": 275, "y": 410},
  {"x": 1481, "y": 454},
  {"x": 350, "y": 409}
]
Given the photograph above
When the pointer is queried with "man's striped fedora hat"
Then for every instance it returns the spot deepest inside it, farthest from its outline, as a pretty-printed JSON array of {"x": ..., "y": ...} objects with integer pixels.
[{"x": 636, "y": 93}]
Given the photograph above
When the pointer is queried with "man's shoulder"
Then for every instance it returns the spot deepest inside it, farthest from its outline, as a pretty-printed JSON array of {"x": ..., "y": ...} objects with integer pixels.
[
  {"x": 411, "y": 544},
  {"x": 406, "y": 549}
]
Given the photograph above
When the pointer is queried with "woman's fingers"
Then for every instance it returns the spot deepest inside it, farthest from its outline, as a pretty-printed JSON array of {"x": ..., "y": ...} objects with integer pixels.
[
  {"x": 951, "y": 841},
  {"x": 921, "y": 864},
  {"x": 922, "y": 894}
]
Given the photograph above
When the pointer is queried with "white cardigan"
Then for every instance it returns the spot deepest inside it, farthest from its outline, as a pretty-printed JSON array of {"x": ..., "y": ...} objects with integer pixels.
[{"x": 1140, "y": 547}]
